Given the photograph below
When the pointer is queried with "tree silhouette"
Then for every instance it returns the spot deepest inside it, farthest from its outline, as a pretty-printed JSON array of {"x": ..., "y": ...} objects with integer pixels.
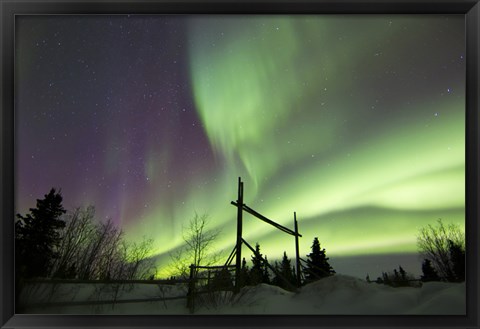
[
  {"x": 37, "y": 236},
  {"x": 397, "y": 278},
  {"x": 403, "y": 274},
  {"x": 199, "y": 246},
  {"x": 284, "y": 268},
  {"x": 266, "y": 274},
  {"x": 457, "y": 257},
  {"x": 317, "y": 263},
  {"x": 244, "y": 276},
  {"x": 256, "y": 272},
  {"x": 259, "y": 272},
  {"x": 78, "y": 232},
  {"x": 92, "y": 250},
  {"x": 386, "y": 279},
  {"x": 429, "y": 273},
  {"x": 222, "y": 280},
  {"x": 444, "y": 246}
]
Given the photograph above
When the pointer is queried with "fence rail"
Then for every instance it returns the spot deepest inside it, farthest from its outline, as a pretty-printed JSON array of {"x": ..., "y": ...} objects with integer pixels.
[
  {"x": 195, "y": 277},
  {"x": 106, "y": 302},
  {"x": 218, "y": 267},
  {"x": 94, "y": 302},
  {"x": 193, "y": 288}
]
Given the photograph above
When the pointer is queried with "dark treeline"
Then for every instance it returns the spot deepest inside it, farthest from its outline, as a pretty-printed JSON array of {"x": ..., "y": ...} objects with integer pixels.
[
  {"x": 443, "y": 251},
  {"x": 51, "y": 242}
]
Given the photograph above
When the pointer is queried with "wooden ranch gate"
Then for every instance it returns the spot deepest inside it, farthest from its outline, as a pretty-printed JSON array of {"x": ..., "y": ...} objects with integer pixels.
[{"x": 241, "y": 207}]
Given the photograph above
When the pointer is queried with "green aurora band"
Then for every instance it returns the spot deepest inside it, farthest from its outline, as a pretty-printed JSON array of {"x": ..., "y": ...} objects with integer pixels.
[{"x": 290, "y": 105}]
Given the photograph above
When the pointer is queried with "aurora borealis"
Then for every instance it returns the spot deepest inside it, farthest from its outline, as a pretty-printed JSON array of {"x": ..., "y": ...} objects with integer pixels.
[{"x": 357, "y": 123}]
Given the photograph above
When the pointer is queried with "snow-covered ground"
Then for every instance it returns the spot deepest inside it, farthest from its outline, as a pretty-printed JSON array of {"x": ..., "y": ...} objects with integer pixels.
[{"x": 338, "y": 294}]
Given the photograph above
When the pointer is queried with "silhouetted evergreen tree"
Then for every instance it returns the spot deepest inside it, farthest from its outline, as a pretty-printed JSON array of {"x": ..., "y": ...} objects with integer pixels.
[
  {"x": 317, "y": 263},
  {"x": 37, "y": 236},
  {"x": 244, "y": 276},
  {"x": 386, "y": 279},
  {"x": 457, "y": 257},
  {"x": 222, "y": 280},
  {"x": 429, "y": 272},
  {"x": 266, "y": 274},
  {"x": 403, "y": 274},
  {"x": 398, "y": 278},
  {"x": 284, "y": 268},
  {"x": 258, "y": 273}
]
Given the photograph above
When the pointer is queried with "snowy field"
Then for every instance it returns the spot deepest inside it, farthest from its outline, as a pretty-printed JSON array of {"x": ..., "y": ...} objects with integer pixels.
[{"x": 337, "y": 294}]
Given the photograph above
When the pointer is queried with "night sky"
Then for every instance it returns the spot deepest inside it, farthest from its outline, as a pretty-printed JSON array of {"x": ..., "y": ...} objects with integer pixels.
[{"x": 354, "y": 122}]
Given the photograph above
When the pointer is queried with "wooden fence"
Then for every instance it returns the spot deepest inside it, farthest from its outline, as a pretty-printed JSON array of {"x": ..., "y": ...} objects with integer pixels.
[
  {"x": 200, "y": 283},
  {"x": 59, "y": 282},
  {"x": 210, "y": 285}
]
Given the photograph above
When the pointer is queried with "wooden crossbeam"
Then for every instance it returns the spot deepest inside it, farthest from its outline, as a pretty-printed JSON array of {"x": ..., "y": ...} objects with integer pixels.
[
  {"x": 232, "y": 256},
  {"x": 266, "y": 220},
  {"x": 215, "y": 267}
]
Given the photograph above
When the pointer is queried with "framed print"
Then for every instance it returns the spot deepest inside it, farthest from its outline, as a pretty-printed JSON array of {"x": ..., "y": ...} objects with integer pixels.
[{"x": 230, "y": 164}]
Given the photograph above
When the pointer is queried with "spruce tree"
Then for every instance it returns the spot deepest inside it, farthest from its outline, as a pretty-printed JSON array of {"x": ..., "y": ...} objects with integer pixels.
[
  {"x": 429, "y": 272},
  {"x": 402, "y": 278},
  {"x": 222, "y": 280},
  {"x": 287, "y": 272},
  {"x": 266, "y": 274},
  {"x": 275, "y": 280},
  {"x": 396, "y": 277},
  {"x": 386, "y": 279},
  {"x": 37, "y": 237},
  {"x": 457, "y": 257},
  {"x": 244, "y": 278},
  {"x": 317, "y": 263},
  {"x": 286, "y": 268},
  {"x": 257, "y": 272}
]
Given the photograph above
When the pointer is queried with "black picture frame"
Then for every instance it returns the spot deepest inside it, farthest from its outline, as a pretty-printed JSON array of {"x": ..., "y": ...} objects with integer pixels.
[{"x": 10, "y": 8}]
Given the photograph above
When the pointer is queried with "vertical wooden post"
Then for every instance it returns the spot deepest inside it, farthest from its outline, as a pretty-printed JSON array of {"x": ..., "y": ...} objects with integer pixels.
[
  {"x": 191, "y": 290},
  {"x": 297, "y": 255},
  {"x": 239, "y": 235}
]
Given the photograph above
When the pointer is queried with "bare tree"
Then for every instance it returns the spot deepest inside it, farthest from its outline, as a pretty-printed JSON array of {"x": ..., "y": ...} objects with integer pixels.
[
  {"x": 90, "y": 250},
  {"x": 199, "y": 246},
  {"x": 435, "y": 244},
  {"x": 79, "y": 231},
  {"x": 95, "y": 256},
  {"x": 107, "y": 255},
  {"x": 140, "y": 265}
]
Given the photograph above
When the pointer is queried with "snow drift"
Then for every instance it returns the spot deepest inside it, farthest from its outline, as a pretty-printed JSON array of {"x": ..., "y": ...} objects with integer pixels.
[{"x": 338, "y": 294}]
